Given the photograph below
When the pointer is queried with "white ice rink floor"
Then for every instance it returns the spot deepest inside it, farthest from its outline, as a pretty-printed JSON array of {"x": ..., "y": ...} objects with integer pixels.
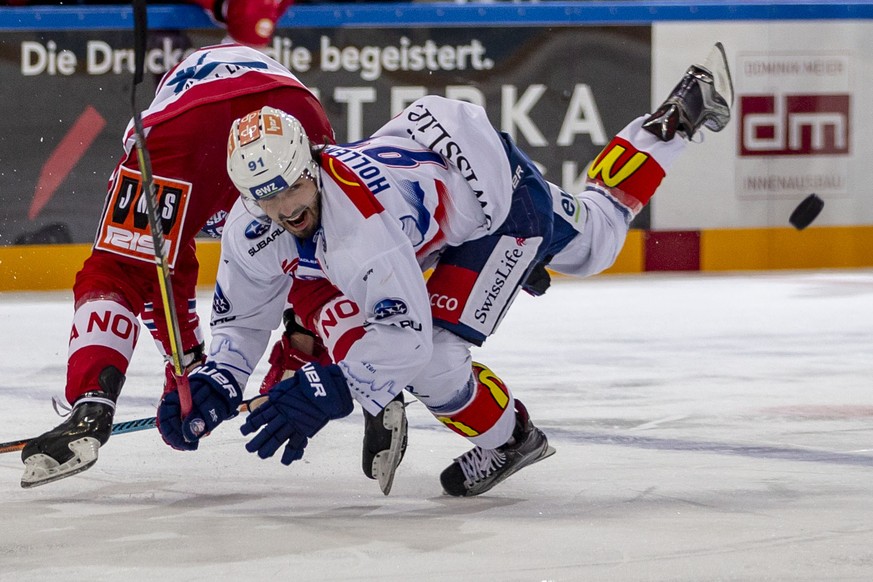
[{"x": 707, "y": 427}]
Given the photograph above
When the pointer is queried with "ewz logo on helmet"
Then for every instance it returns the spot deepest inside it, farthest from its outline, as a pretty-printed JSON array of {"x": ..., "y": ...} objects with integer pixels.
[{"x": 268, "y": 188}]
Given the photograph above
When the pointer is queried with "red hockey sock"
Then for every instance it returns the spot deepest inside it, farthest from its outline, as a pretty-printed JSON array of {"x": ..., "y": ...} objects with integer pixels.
[{"x": 104, "y": 333}]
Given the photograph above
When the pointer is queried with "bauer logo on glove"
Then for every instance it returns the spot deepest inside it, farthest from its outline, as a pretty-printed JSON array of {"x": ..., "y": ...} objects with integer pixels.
[
  {"x": 215, "y": 397},
  {"x": 296, "y": 410},
  {"x": 314, "y": 379}
]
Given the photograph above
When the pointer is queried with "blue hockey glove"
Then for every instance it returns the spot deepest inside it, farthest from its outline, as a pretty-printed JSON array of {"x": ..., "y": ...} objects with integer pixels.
[
  {"x": 298, "y": 408},
  {"x": 215, "y": 397}
]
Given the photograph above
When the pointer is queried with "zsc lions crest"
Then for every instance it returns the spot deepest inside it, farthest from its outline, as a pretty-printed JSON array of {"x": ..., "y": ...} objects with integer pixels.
[{"x": 220, "y": 304}]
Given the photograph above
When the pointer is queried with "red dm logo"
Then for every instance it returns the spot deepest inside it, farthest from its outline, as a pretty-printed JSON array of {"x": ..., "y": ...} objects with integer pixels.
[{"x": 790, "y": 125}]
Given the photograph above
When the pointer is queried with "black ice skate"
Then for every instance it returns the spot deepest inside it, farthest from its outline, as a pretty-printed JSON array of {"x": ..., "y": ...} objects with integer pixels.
[
  {"x": 72, "y": 446},
  {"x": 703, "y": 97},
  {"x": 478, "y": 470},
  {"x": 385, "y": 437}
]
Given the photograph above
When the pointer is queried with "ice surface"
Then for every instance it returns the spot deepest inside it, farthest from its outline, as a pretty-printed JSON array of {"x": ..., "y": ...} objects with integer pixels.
[{"x": 707, "y": 427}]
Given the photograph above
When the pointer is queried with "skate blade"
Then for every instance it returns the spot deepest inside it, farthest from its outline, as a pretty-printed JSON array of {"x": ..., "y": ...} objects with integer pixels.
[
  {"x": 717, "y": 64},
  {"x": 547, "y": 452},
  {"x": 40, "y": 469},
  {"x": 385, "y": 462}
]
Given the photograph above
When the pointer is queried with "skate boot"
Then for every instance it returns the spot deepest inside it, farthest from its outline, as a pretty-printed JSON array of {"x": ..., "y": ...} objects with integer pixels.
[
  {"x": 703, "y": 97},
  {"x": 385, "y": 438},
  {"x": 478, "y": 470},
  {"x": 72, "y": 446}
]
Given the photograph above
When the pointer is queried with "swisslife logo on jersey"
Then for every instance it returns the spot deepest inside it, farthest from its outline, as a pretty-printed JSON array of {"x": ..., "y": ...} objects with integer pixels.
[{"x": 793, "y": 116}]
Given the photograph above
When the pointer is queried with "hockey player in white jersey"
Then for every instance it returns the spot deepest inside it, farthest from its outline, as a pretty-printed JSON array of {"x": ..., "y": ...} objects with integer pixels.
[{"x": 437, "y": 187}]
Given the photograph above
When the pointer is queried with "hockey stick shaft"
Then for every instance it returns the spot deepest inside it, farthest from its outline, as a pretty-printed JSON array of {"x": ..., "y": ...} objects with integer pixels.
[
  {"x": 140, "y": 21},
  {"x": 132, "y": 425},
  {"x": 117, "y": 428}
]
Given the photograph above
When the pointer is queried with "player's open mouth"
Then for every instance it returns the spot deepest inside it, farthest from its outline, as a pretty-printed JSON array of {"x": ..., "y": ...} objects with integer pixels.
[{"x": 298, "y": 221}]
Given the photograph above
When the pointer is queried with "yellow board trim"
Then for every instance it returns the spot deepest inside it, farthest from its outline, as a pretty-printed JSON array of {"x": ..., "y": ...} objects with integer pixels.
[
  {"x": 54, "y": 267},
  {"x": 632, "y": 257},
  {"x": 826, "y": 247}
]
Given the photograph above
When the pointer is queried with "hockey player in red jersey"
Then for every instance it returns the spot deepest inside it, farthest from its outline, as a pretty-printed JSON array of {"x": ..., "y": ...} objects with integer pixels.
[
  {"x": 435, "y": 187},
  {"x": 186, "y": 129}
]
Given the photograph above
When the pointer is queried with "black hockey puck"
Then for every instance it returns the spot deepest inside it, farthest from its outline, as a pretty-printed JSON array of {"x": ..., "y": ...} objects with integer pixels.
[{"x": 806, "y": 212}]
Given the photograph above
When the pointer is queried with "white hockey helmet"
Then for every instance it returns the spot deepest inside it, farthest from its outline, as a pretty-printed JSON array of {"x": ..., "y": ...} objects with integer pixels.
[{"x": 267, "y": 151}]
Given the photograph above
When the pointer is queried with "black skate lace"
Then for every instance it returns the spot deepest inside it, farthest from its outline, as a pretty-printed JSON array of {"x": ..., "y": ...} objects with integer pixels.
[{"x": 479, "y": 463}]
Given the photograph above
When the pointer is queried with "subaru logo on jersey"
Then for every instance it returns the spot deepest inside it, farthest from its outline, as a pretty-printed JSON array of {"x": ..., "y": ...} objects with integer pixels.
[
  {"x": 220, "y": 304},
  {"x": 262, "y": 244},
  {"x": 268, "y": 189},
  {"x": 257, "y": 229},
  {"x": 389, "y": 308}
]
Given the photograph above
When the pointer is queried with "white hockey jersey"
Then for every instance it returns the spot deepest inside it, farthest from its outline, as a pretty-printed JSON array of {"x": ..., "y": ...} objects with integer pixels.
[
  {"x": 435, "y": 176},
  {"x": 390, "y": 204}
]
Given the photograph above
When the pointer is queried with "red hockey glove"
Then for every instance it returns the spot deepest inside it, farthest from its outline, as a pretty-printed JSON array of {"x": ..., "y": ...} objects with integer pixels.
[{"x": 287, "y": 357}]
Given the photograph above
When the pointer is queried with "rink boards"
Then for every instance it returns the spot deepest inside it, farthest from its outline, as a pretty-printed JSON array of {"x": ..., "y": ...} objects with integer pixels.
[{"x": 560, "y": 77}]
